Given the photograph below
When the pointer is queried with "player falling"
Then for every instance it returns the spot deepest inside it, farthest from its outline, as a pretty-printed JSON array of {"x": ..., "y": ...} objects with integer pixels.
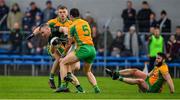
[{"x": 151, "y": 83}]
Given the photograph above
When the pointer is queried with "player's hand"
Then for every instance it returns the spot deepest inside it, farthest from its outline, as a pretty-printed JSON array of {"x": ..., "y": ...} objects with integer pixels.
[{"x": 63, "y": 29}]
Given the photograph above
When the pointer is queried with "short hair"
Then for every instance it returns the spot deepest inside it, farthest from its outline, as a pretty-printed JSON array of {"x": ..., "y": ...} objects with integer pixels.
[
  {"x": 42, "y": 26},
  {"x": 32, "y": 3},
  {"x": 153, "y": 13},
  {"x": 163, "y": 12},
  {"x": 74, "y": 12},
  {"x": 61, "y": 7},
  {"x": 157, "y": 26},
  {"x": 161, "y": 55},
  {"x": 145, "y": 2},
  {"x": 48, "y": 2},
  {"x": 178, "y": 26}
]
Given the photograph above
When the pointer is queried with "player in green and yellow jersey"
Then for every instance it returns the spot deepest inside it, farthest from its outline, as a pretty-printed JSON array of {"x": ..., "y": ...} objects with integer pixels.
[
  {"x": 62, "y": 21},
  {"x": 54, "y": 31},
  {"x": 80, "y": 34},
  {"x": 151, "y": 83}
]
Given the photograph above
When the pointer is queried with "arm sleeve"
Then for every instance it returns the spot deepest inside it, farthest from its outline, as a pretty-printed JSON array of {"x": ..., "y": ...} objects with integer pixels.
[{"x": 72, "y": 31}]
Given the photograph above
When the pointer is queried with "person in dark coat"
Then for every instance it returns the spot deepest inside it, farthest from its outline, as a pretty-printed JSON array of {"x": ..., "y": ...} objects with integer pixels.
[
  {"x": 129, "y": 16},
  {"x": 143, "y": 17}
]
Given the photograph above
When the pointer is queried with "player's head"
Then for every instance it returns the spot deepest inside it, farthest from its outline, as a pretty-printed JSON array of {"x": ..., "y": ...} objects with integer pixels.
[
  {"x": 157, "y": 31},
  {"x": 161, "y": 57},
  {"x": 74, "y": 13},
  {"x": 62, "y": 12},
  {"x": 45, "y": 30}
]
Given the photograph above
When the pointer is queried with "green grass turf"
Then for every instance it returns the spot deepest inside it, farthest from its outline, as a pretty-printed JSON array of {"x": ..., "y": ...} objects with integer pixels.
[{"x": 22, "y": 87}]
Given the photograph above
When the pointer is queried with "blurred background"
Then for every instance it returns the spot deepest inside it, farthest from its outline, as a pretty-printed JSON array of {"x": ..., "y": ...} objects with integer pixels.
[{"x": 122, "y": 32}]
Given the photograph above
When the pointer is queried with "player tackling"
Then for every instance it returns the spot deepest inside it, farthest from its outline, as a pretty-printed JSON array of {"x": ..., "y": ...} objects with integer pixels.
[{"x": 80, "y": 34}]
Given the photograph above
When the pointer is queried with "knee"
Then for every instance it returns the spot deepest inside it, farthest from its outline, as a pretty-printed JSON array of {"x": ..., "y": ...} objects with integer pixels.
[
  {"x": 140, "y": 81},
  {"x": 77, "y": 67},
  {"x": 62, "y": 62}
]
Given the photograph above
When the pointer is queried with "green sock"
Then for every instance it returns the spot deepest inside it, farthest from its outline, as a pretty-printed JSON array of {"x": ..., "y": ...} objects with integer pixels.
[
  {"x": 79, "y": 88},
  {"x": 66, "y": 84},
  {"x": 96, "y": 89},
  {"x": 63, "y": 84},
  {"x": 69, "y": 74},
  {"x": 51, "y": 76}
]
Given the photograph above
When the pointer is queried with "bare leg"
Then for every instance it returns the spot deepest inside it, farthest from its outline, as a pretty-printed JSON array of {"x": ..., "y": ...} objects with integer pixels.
[
  {"x": 69, "y": 59},
  {"x": 133, "y": 72},
  {"x": 90, "y": 76},
  {"x": 56, "y": 62},
  {"x": 140, "y": 82},
  {"x": 54, "y": 68}
]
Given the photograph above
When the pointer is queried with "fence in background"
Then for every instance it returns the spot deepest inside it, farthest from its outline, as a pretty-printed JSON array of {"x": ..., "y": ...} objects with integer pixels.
[{"x": 35, "y": 64}]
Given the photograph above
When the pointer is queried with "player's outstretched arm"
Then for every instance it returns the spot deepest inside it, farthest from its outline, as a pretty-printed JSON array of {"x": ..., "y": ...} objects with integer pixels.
[
  {"x": 35, "y": 32},
  {"x": 170, "y": 83}
]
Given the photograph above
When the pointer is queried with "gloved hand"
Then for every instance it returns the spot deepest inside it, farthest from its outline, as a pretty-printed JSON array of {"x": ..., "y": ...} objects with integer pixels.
[{"x": 55, "y": 41}]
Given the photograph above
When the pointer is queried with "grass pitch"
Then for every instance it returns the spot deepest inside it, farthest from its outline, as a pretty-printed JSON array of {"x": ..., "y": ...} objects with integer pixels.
[{"x": 27, "y": 87}]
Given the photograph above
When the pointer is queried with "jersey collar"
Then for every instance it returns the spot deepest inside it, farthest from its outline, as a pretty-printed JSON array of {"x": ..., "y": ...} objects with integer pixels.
[
  {"x": 59, "y": 20},
  {"x": 75, "y": 19}
]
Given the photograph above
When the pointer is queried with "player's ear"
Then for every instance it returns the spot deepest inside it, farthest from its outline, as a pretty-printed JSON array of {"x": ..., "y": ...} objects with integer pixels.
[{"x": 163, "y": 60}]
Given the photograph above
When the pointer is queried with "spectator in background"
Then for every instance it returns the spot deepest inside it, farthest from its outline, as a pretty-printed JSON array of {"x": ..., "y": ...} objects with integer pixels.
[
  {"x": 95, "y": 36},
  {"x": 34, "y": 10},
  {"x": 155, "y": 45},
  {"x": 90, "y": 19},
  {"x": 4, "y": 10},
  {"x": 177, "y": 35},
  {"x": 101, "y": 40},
  {"x": 131, "y": 41},
  {"x": 16, "y": 38},
  {"x": 14, "y": 16},
  {"x": 129, "y": 16},
  {"x": 38, "y": 20},
  {"x": 152, "y": 22},
  {"x": 143, "y": 17},
  {"x": 3, "y": 15},
  {"x": 165, "y": 25},
  {"x": 27, "y": 21},
  {"x": 118, "y": 44},
  {"x": 143, "y": 22},
  {"x": 48, "y": 12},
  {"x": 173, "y": 46}
]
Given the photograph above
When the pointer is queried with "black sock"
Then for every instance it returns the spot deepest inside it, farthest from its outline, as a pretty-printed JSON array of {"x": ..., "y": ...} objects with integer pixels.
[{"x": 59, "y": 79}]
